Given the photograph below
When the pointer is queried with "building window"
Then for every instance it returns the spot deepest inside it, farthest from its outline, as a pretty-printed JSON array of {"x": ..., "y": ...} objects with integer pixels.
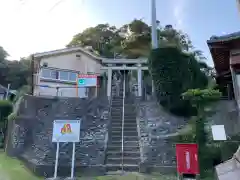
[
  {"x": 72, "y": 76},
  {"x": 46, "y": 73},
  {"x": 49, "y": 73},
  {"x": 59, "y": 75},
  {"x": 54, "y": 74},
  {"x": 64, "y": 75}
]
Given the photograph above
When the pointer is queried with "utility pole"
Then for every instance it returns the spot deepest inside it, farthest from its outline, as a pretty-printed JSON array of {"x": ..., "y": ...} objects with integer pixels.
[
  {"x": 154, "y": 32},
  {"x": 154, "y": 24}
]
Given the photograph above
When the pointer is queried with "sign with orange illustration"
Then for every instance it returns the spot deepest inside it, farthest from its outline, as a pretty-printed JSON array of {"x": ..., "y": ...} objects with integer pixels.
[{"x": 66, "y": 131}]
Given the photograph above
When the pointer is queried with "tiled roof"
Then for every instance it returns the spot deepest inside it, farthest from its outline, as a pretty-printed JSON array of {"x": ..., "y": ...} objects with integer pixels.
[{"x": 228, "y": 37}]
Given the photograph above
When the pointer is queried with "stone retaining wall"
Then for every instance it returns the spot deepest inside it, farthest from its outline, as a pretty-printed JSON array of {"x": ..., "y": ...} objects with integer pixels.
[
  {"x": 157, "y": 129},
  {"x": 30, "y": 134}
]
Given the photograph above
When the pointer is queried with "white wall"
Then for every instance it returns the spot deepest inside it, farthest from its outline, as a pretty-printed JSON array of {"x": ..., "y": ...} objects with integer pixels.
[
  {"x": 83, "y": 64},
  {"x": 65, "y": 90},
  {"x": 229, "y": 170}
]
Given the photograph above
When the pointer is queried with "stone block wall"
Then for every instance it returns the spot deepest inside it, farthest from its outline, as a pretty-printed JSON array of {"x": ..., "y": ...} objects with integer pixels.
[
  {"x": 30, "y": 134},
  {"x": 156, "y": 129},
  {"x": 227, "y": 114}
]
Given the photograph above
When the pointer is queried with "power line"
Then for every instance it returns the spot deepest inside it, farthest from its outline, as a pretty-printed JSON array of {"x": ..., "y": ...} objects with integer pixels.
[
  {"x": 55, "y": 5},
  {"x": 59, "y": 2}
]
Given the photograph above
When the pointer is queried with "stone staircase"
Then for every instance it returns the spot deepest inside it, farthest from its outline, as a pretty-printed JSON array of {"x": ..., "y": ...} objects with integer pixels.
[{"x": 129, "y": 158}]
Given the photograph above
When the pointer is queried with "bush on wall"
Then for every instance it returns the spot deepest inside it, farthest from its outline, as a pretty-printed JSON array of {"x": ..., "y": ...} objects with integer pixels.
[
  {"x": 174, "y": 72},
  {"x": 5, "y": 109}
]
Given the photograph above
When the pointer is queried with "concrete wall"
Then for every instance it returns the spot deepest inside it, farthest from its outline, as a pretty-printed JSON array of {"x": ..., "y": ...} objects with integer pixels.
[
  {"x": 29, "y": 135},
  {"x": 229, "y": 169},
  {"x": 65, "y": 90}
]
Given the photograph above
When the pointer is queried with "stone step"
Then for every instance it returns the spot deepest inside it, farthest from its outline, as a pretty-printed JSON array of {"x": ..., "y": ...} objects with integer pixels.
[
  {"x": 114, "y": 154},
  {"x": 117, "y": 123},
  {"x": 117, "y": 114},
  {"x": 117, "y": 104},
  {"x": 126, "y": 121},
  {"x": 126, "y": 116},
  {"x": 116, "y": 108},
  {"x": 125, "y": 138},
  {"x": 119, "y": 128},
  {"x": 124, "y": 160},
  {"x": 126, "y": 124},
  {"x": 116, "y": 118},
  {"x": 125, "y": 143},
  {"x": 125, "y": 167},
  {"x": 126, "y": 133},
  {"x": 125, "y": 148}
]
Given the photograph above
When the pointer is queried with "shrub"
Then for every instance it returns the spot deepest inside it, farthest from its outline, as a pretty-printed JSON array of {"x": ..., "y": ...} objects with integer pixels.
[
  {"x": 5, "y": 109},
  {"x": 174, "y": 72}
]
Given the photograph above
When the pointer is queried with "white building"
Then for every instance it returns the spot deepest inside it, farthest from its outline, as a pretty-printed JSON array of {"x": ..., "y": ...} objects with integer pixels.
[{"x": 56, "y": 72}]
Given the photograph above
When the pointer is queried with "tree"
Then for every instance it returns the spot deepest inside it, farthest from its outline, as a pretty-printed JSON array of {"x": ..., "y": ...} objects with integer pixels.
[
  {"x": 200, "y": 99},
  {"x": 103, "y": 38},
  {"x": 15, "y": 73},
  {"x": 132, "y": 40},
  {"x": 3, "y": 54}
]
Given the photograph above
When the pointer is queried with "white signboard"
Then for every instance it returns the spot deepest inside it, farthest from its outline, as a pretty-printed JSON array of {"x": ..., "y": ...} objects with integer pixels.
[
  {"x": 218, "y": 132},
  {"x": 66, "y": 131},
  {"x": 87, "y": 80}
]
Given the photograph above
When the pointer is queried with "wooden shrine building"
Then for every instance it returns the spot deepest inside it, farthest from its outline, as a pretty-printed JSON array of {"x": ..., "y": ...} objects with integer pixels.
[{"x": 225, "y": 51}]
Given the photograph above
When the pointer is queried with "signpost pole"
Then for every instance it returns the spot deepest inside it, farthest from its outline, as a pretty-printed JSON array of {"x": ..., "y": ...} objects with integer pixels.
[
  {"x": 73, "y": 160},
  {"x": 56, "y": 161}
]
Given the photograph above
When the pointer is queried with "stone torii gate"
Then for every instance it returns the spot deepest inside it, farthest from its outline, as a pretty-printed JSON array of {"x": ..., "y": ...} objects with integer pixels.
[{"x": 125, "y": 64}]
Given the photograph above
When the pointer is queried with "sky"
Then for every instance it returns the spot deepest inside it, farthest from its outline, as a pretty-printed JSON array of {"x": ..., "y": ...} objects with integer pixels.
[{"x": 30, "y": 26}]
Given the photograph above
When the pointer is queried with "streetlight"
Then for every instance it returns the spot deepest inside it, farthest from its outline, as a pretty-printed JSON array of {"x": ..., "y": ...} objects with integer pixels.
[{"x": 154, "y": 24}]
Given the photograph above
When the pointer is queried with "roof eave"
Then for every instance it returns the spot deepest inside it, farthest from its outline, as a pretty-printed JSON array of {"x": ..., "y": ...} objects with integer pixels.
[
  {"x": 38, "y": 56},
  {"x": 225, "y": 38}
]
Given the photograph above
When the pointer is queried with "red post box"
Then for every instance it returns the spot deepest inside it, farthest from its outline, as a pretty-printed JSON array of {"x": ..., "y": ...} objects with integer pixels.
[{"x": 187, "y": 159}]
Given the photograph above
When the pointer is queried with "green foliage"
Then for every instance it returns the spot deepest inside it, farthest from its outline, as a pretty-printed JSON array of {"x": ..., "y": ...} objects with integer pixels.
[
  {"x": 174, "y": 72},
  {"x": 200, "y": 99},
  {"x": 22, "y": 91},
  {"x": 12, "y": 116},
  {"x": 15, "y": 73},
  {"x": 132, "y": 40},
  {"x": 5, "y": 109}
]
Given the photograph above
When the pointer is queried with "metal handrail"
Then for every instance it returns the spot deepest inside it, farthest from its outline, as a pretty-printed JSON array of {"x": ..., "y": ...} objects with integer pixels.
[
  {"x": 123, "y": 112},
  {"x": 109, "y": 122}
]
